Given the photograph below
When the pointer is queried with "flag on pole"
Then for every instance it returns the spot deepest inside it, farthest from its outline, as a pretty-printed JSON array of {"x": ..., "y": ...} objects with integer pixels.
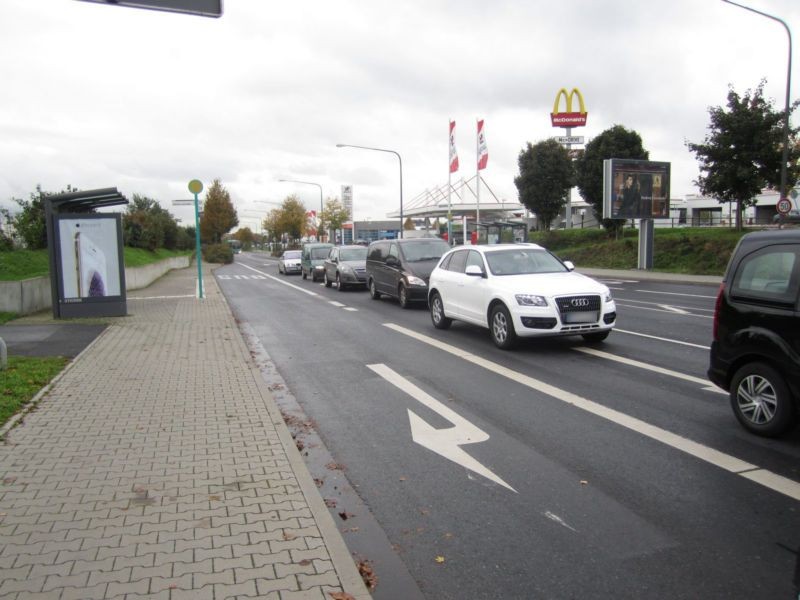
[
  {"x": 483, "y": 151},
  {"x": 453, "y": 153}
]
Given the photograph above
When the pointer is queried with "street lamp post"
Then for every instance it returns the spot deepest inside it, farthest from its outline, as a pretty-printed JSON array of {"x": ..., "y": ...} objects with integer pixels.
[
  {"x": 320, "y": 197},
  {"x": 399, "y": 158},
  {"x": 785, "y": 158}
]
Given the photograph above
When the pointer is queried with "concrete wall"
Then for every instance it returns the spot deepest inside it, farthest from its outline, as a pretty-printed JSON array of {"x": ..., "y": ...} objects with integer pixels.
[{"x": 32, "y": 295}]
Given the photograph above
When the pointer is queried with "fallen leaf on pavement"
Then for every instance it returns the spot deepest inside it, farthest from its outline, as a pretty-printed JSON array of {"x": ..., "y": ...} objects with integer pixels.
[{"x": 439, "y": 559}]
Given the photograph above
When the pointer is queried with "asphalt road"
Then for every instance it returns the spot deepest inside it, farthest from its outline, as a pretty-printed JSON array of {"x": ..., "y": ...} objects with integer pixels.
[{"x": 605, "y": 471}]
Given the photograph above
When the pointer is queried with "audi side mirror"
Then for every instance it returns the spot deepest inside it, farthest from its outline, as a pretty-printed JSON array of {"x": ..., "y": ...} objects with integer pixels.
[{"x": 569, "y": 265}]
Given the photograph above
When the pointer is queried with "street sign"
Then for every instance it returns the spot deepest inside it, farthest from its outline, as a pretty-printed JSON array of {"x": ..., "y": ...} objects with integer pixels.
[
  {"x": 570, "y": 139},
  {"x": 783, "y": 206},
  {"x": 182, "y": 202}
]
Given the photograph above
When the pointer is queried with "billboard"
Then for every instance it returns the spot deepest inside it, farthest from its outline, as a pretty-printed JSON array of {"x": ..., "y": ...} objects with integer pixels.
[
  {"x": 89, "y": 257},
  {"x": 347, "y": 199},
  {"x": 635, "y": 189}
]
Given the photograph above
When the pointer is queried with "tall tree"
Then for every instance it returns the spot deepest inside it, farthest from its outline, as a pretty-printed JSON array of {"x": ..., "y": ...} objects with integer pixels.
[
  {"x": 615, "y": 142},
  {"x": 30, "y": 223},
  {"x": 146, "y": 225},
  {"x": 219, "y": 215},
  {"x": 545, "y": 178},
  {"x": 334, "y": 215},
  {"x": 741, "y": 154},
  {"x": 291, "y": 218}
]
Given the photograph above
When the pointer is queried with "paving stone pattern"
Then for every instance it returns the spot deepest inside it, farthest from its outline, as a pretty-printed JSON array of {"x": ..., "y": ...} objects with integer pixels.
[{"x": 155, "y": 468}]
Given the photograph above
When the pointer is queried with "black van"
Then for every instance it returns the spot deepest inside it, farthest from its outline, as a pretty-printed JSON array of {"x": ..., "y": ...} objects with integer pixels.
[
  {"x": 401, "y": 268},
  {"x": 755, "y": 353}
]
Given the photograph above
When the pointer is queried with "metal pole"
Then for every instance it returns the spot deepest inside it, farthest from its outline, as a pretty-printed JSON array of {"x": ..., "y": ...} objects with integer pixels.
[
  {"x": 400, "y": 159},
  {"x": 785, "y": 156},
  {"x": 197, "y": 246}
]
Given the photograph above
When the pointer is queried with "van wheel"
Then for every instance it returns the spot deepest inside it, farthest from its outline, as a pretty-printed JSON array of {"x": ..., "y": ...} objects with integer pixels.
[
  {"x": 760, "y": 400},
  {"x": 437, "y": 313},
  {"x": 328, "y": 282},
  {"x": 373, "y": 291},
  {"x": 502, "y": 328},
  {"x": 305, "y": 275},
  {"x": 402, "y": 296}
]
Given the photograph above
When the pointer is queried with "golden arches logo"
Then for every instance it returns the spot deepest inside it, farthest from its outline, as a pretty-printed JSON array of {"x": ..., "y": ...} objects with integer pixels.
[{"x": 569, "y": 118}]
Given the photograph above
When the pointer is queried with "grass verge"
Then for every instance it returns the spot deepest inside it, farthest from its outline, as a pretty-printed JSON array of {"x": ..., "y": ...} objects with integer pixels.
[{"x": 22, "y": 380}]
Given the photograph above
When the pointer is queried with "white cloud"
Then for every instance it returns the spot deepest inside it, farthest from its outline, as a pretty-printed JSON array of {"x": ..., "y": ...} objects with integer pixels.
[{"x": 97, "y": 96}]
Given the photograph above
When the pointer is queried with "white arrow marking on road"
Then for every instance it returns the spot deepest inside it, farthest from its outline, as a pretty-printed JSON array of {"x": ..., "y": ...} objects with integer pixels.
[{"x": 444, "y": 442}]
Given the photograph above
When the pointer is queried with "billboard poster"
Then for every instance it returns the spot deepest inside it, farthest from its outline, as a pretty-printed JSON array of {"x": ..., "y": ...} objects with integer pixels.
[
  {"x": 347, "y": 200},
  {"x": 89, "y": 255},
  {"x": 635, "y": 189}
]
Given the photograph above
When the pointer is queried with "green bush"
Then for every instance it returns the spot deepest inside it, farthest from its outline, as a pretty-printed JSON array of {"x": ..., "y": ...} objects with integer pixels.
[{"x": 218, "y": 253}]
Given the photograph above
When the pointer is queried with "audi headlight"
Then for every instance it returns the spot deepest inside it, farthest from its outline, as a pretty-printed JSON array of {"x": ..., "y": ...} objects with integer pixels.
[
  {"x": 530, "y": 300},
  {"x": 415, "y": 280},
  {"x": 609, "y": 297}
]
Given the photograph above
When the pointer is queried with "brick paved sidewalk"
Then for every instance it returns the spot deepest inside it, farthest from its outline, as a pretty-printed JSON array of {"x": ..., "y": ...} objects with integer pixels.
[{"x": 158, "y": 466}]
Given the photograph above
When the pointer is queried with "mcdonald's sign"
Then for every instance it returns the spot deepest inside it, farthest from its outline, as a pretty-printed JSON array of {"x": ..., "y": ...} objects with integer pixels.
[{"x": 568, "y": 118}]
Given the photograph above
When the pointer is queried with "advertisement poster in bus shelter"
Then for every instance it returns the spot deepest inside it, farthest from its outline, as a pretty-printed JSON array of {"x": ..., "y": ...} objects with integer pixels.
[{"x": 635, "y": 189}]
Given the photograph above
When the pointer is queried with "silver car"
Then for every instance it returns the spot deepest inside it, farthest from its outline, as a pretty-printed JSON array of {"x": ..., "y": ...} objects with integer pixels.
[
  {"x": 289, "y": 262},
  {"x": 347, "y": 266}
]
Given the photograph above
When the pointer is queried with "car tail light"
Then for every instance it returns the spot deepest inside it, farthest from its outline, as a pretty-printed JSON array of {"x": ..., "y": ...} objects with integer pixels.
[{"x": 717, "y": 307}]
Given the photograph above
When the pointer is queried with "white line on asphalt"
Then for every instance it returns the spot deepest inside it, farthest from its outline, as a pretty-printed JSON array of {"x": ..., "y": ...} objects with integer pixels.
[
  {"x": 671, "y": 306},
  {"x": 350, "y": 309},
  {"x": 661, "y": 339},
  {"x": 674, "y": 309},
  {"x": 724, "y": 461},
  {"x": 641, "y": 365},
  {"x": 677, "y": 294},
  {"x": 286, "y": 283},
  {"x": 335, "y": 303},
  {"x": 658, "y": 309}
]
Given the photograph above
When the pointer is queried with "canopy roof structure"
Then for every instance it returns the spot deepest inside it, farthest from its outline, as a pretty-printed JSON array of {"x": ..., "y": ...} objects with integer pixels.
[{"x": 85, "y": 200}]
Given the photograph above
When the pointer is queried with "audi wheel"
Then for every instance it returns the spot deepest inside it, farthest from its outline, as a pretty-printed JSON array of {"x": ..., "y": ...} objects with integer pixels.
[
  {"x": 501, "y": 327},
  {"x": 440, "y": 321}
]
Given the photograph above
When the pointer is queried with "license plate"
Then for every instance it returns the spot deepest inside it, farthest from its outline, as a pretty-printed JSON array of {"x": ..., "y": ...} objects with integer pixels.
[{"x": 581, "y": 317}]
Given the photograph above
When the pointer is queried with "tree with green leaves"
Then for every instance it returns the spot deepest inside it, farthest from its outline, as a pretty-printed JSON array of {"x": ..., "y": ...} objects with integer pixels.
[
  {"x": 146, "y": 224},
  {"x": 615, "y": 142},
  {"x": 30, "y": 223},
  {"x": 742, "y": 152},
  {"x": 334, "y": 215},
  {"x": 219, "y": 214},
  {"x": 291, "y": 218},
  {"x": 246, "y": 236},
  {"x": 545, "y": 178}
]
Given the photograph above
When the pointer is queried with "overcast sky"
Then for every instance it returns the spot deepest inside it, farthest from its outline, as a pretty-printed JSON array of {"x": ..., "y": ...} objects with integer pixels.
[{"x": 100, "y": 96}]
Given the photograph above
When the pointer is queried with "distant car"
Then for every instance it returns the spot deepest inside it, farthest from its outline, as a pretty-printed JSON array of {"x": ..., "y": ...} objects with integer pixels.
[
  {"x": 289, "y": 262},
  {"x": 518, "y": 290},
  {"x": 755, "y": 352},
  {"x": 346, "y": 266},
  {"x": 401, "y": 268},
  {"x": 312, "y": 259}
]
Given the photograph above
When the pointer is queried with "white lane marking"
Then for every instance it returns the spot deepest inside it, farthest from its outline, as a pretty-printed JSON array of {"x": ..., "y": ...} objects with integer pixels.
[
  {"x": 335, "y": 303},
  {"x": 661, "y": 339},
  {"x": 559, "y": 520},
  {"x": 670, "y": 306},
  {"x": 607, "y": 281},
  {"x": 350, "y": 309},
  {"x": 724, "y": 461},
  {"x": 445, "y": 442},
  {"x": 641, "y": 365},
  {"x": 677, "y": 294},
  {"x": 286, "y": 283},
  {"x": 617, "y": 302},
  {"x": 674, "y": 309}
]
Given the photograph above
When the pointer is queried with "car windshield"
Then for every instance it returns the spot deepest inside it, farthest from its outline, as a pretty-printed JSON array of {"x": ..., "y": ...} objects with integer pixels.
[
  {"x": 317, "y": 253},
  {"x": 353, "y": 254},
  {"x": 425, "y": 250},
  {"x": 291, "y": 254},
  {"x": 523, "y": 261}
]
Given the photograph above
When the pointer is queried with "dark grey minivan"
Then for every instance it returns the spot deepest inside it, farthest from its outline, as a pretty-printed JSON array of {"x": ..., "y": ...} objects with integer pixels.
[{"x": 401, "y": 268}]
